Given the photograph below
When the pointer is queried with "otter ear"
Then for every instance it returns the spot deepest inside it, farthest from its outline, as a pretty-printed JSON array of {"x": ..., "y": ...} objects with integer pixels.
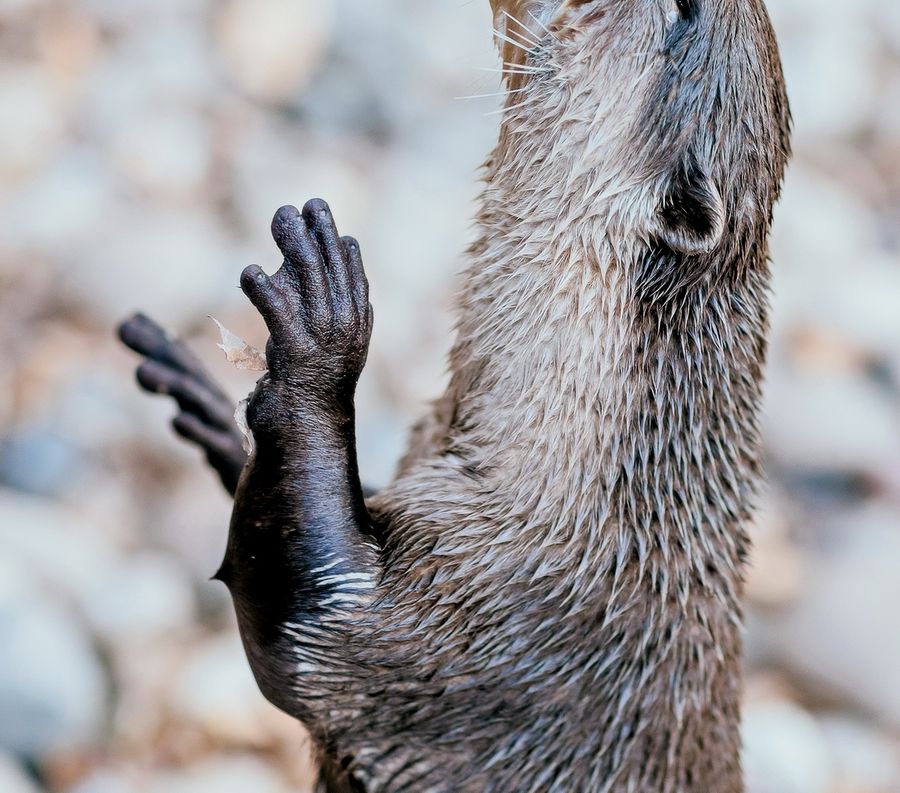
[{"x": 691, "y": 216}]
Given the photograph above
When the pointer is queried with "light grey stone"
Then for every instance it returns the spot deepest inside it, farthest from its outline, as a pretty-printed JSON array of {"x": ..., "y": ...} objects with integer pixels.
[
  {"x": 843, "y": 632},
  {"x": 270, "y": 50},
  {"x": 12, "y": 777},
  {"x": 53, "y": 691},
  {"x": 785, "y": 750}
]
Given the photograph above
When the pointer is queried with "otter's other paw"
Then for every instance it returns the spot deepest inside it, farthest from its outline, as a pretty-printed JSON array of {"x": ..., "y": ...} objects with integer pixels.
[
  {"x": 316, "y": 307},
  {"x": 206, "y": 415}
]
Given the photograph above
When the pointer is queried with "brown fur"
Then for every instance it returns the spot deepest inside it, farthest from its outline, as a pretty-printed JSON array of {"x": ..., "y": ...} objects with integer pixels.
[{"x": 557, "y": 602}]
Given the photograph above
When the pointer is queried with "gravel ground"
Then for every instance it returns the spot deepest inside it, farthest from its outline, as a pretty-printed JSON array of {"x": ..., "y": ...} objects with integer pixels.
[{"x": 145, "y": 148}]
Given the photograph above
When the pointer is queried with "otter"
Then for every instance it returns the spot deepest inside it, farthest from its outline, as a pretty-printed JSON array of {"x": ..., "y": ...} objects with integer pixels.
[{"x": 548, "y": 595}]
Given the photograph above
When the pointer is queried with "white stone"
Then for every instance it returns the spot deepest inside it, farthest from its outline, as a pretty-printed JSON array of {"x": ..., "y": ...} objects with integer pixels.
[
  {"x": 866, "y": 759},
  {"x": 52, "y": 688},
  {"x": 274, "y": 166},
  {"x": 223, "y": 775},
  {"x": 271, "y": 49},
  {"x": 175, "y": 264},
  {"x": 164, "y": 153},
  {"x": 63, "y": 206},
  {"x": 32, "y": 120},
  {"x": 107, "y": 781},
  {"x": 830, "y": 421},
  {"x": 831, "y": 96},
  {"x": 784, "y": 750},
  {"x": 12, "y": 777},
  {"x": 52, "y": 548},
  {"x": 216, "y": 691},
  {"x": 843, "y": 632},
  {"x": 145, "y": 596}
]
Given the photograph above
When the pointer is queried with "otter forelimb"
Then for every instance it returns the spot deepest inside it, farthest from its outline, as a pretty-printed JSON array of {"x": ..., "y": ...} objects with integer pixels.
[
  {"x": 299, "y": 549},
  {"x": 206, "y": 415}
]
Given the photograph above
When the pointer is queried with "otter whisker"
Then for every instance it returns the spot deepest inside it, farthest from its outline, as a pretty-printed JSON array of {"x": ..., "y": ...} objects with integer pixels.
[
  {"x": 491, "y": 95},
  {"x": 525, "y": 68},
  {"x": 526, "y": 71},
  {"x": 523, "y": 27},
  {"x": 509, "y": 108},
  {"x": 514, "y": 43},
  {"x": 542, "y": 25}
]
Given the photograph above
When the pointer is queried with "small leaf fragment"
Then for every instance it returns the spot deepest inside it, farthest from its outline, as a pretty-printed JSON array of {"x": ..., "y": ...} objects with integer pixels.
[
  {"x": 244, "y": 356},
  {"x": 240, "y": 418}
]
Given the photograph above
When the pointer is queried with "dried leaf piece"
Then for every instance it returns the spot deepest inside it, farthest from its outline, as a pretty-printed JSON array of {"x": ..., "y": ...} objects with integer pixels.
[
  {"x": 240, "y": 418},
  {"x": 239, "y": 353}
]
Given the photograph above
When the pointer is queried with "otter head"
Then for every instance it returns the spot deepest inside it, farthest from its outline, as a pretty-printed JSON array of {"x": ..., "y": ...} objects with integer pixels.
[{"x": 672, "y": 111}]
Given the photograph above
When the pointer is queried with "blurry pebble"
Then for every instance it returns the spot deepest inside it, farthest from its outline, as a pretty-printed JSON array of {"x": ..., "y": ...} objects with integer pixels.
[
  {"x": 53, "y": 548},
  {"x": 866, "y": 760},
  {"x": 836, "y": 421},
  {"x": 12, "y": 777},
  {"x": 105, "y": 781},
  {"x": 143, "y": 597},
  {"x": 235, "y": 774},
  {"x": 52, "y": 685},
  {"x": 216, "y": 691},
  {"x": 842, "y": 632},
  {"x": 171, "y": 263},
  {"x": 272, "y": 168},
  {"x": 784, "y": 750},
  {"x": 831, "y": 96},
  {"x": 31, "y": 119},
  {"x": 271, "y": 49},
  {"x": 165, "y": 154},
  {"x": 37, "y": 462},
  {"x": 777, "y": 573},
  {"x": 77, "y": 185}
]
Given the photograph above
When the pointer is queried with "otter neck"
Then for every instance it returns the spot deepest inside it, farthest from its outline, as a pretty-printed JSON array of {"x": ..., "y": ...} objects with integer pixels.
[
  {"x": 617, "y": 425},
  {"x": 623, "y": 419}
]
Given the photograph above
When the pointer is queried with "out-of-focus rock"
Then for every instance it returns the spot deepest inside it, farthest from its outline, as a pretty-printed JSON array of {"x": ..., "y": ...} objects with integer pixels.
[
  {"x": 193, "y": 523},
  {"x": 16, "y": 6},
  {"x": 784, "y": 750},
  {"x": 866, "y": 760},
  {"x": 31, "y": 119},
  {"x": 108, "y": 781},
  {"x": 777, "y": 573},
  {"x": 67, "y": 42},
  {"x": 36, "y": 461},
  {"x": 173, "y": 263},
  {"x": 223, "y": 775},
  {"x": 55, "y": 549},
  {"x": 850, "y": 98},
  {"x": 142, "y": 597},
  {"x": 165, "y": 154},
  {"x": 842, "y": 632},
  {"x": 216, "y": 691},
  {"x": 832, "y": 421},
  {"x": 77, "y": 185},
  {"x": 53, "y": 691},
  {"x": 271, "y": 49},
  {"x": 12, "y": 777},
  {"x": 270, "y": 170}
]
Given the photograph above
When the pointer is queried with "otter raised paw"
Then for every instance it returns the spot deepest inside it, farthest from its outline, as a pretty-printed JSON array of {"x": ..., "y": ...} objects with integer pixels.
[
  {"x": 300, "y": 557},
  {"x": 206, "y": 415},
  {"x": 317, "y": 310}
]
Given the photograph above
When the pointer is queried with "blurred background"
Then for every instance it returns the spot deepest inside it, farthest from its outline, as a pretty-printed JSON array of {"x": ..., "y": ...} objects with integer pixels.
[{"x": 145, "y": 146}]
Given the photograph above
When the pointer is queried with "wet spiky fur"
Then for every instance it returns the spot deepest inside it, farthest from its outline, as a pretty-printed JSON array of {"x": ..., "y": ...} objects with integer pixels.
[{"x": 555, "y": 600}]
